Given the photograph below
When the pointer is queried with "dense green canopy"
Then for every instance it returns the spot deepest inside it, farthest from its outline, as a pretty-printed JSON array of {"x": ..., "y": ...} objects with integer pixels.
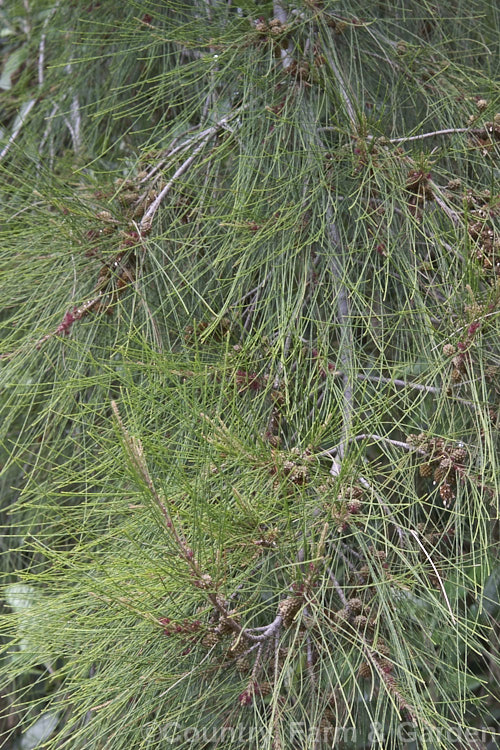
[{"x": 249, "y": 364}]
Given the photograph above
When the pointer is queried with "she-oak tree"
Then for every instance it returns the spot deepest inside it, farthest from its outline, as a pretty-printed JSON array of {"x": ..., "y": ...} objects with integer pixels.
[{"x": 249, "y": 367}]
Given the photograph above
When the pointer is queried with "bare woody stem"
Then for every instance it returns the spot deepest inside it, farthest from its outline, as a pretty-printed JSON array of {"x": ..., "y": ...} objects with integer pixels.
[
  {"x": 375, "y": 438},
  {"x": 341, "y": 301},
  {"x": 22, "y": 116},
  {"x": 147, "y": 219},
  {"x": 281, "y": 15},
  {"x": 405, "y": 384},
  {"x": 413, "y": 386},
  {"x": 450, "y": 213},
  {"x": 446, "y": 131},
  {"x": 346, "y": 340},
  {"x": 134, "y": 451},
  {"x": 343, "y": 89},
  {"x": 135, "y": 454},
  {"x": 403, "y": 139}
]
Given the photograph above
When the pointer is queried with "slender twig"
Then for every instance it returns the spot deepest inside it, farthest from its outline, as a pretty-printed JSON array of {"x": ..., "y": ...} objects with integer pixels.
[
  {"x": 250, "y": 311},
  {"x": 341, "y": 300},
  {"x": 313, "y": 687},
  {"x": 346, "y": 345},
  {"x": 343, "y": 90},
  {"x": 147, "y": 219},
  {"x": 281, "y": 15},
  {"x": 338, "y": 588},
  {"x": 41, "y": 58},
  {"x": 21, "y": 119},
  {"x": 366, "y": 484},
  {"x": 47, "y": 130},
  {"x": 450, "y": 213},
  {"x": 69, "y": 125},
  {"x": 255, "y": 289},
  {"x": 135, "y": 453},
  {"x": 415, "y": 535},
  {"x": 258, "y": 629},
  {"x": 172, "y": 150},
  {"x": 270, "y": 630},
  {"x": 446, "y": 131},
  {"x": 413, "y": 386},
  {"x": 256, "y": 292},
  {"x": 257, "y": 665},
  {"x": 398, "y": 443},
  {"x": 76, "y": 123},
  {"x": 76, "y": 314}
]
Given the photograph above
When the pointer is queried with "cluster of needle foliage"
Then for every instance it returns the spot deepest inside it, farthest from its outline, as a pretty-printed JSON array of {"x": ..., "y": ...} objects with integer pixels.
[{"x": 249, "y": 368}]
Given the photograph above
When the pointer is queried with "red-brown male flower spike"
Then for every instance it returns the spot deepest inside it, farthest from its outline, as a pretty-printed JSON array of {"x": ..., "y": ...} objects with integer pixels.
[
  {"x": 67, "y": 321},
  {"x": 473, "y": 328},
  {"x": 245, "y": 698}
]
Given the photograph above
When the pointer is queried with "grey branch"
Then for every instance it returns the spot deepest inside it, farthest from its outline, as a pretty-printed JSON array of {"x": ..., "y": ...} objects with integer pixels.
[
  {"x": 147, "y": 219},
  {"x": 346, "y": 342}
]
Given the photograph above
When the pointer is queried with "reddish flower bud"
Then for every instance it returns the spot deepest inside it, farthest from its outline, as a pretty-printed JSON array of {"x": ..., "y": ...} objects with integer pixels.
[
  {"x": 67, "y": 321},
  {"x": 473, "y": 328},
  {"x": 245, "y": 698}
]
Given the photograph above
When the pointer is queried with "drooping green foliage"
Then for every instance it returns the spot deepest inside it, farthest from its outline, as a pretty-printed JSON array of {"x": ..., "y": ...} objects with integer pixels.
[{"x": 250, "y": 269}]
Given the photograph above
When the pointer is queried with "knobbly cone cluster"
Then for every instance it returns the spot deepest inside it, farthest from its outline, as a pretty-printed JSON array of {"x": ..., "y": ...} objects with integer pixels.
[
  {"x": 288, "y": 609},
  {"x": 443, "y": 462}
]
